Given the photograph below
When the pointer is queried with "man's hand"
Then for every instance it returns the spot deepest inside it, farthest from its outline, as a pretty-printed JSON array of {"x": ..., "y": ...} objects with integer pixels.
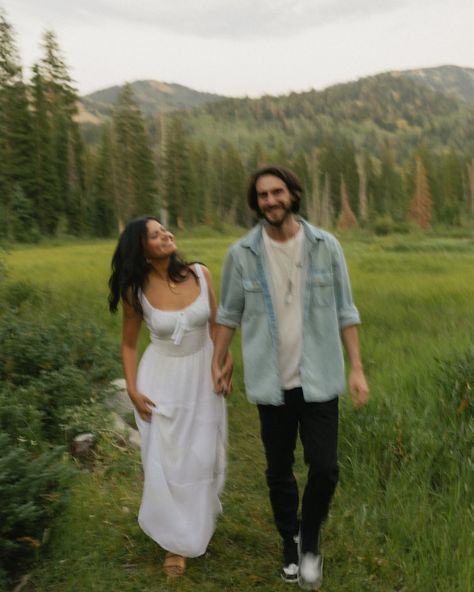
[
  {"x": 222, "y": 375},
  {"x": 358, "y": 388}
]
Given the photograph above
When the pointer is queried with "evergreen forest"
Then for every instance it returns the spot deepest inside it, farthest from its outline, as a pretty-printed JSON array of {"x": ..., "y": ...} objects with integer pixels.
[{"x": 385, "y": 153}]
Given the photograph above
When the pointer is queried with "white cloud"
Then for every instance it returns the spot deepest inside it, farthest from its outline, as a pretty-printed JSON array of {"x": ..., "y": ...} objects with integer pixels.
[
  {"x": 244, "y": 46},
  {"x": 224, "y": 19}
]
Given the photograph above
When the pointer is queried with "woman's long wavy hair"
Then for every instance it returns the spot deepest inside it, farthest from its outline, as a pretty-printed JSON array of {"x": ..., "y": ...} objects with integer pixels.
[{"x": 130, "y": 267}]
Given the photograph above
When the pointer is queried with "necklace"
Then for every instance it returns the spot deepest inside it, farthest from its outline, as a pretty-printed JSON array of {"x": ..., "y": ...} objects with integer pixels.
[
  {"x": 290, "y": 274},
  {"x": 284, "y": 263}
]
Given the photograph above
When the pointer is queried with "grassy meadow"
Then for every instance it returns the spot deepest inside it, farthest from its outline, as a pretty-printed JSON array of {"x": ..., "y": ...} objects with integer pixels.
[{"x": 402, "y": 519}]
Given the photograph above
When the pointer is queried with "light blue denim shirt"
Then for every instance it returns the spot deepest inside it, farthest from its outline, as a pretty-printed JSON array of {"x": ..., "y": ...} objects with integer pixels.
[{"x": 328, "y": 308}]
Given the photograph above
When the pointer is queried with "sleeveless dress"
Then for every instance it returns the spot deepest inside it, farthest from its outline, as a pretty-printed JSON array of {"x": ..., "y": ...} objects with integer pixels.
[{"x": 183, "y": 447}]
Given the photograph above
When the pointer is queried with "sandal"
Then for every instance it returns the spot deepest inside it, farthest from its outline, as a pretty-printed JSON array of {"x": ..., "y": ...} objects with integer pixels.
[{"x": 174, "y": 565}]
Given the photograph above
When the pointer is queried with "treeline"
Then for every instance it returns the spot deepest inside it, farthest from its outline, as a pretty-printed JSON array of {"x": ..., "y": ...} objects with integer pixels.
[{"x": 53, "y": 182}]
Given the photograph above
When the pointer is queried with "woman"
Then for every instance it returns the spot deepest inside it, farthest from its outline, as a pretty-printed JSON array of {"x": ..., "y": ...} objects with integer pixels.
[{"x": 182, "y": 422}]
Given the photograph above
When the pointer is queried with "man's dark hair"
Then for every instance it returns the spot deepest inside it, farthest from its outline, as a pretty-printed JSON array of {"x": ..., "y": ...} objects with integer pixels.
[{"x": 288, "y": 177}]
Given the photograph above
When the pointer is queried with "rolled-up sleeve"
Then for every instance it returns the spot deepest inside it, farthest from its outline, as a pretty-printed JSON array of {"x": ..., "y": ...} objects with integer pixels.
[
  {"x": 231, "y": 306},
  {"x": 347, "y": 312}
]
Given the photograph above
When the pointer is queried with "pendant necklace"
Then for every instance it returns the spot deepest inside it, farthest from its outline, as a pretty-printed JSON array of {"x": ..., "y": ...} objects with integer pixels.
[
  {"x": 289, "y": 289},
  {"x": 291, "y": 271}
]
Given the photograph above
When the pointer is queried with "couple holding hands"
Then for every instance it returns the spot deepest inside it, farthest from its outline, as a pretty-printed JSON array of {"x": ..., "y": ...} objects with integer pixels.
[{"x": 285, "y": 283}]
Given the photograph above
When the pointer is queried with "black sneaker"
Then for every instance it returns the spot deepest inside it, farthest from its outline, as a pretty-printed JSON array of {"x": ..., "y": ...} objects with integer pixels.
[{"x": 289, "y": 573}]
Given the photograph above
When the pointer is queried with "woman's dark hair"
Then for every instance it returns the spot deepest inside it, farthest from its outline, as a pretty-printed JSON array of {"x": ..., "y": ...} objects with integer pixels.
[
  {"x": 130, "y": 266},
  {"x": 289, "y": 178}
]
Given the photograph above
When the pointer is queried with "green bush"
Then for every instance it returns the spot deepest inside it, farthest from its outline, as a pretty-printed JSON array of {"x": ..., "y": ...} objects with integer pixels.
[
  {"x": 48, "y": 371},
  {"x": 383, "y": 225},
  {"x": 32, "y": 489},
  {"x": 20, "y": 415},
  {"x": 52, "y": 374},
  {"x": 31, "y": 348},
  {"x": 17, "y": 294}
]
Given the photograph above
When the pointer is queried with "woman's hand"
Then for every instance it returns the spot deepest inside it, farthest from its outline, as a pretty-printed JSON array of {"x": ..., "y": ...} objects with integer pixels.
[
  {"x": 222, "y": 375},
  {"x": 143, "y": 405},
  {"x": 227, "y": 370}
]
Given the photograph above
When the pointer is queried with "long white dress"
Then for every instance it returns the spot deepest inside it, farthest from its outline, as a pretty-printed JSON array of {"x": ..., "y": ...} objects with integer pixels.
[{"x": 183, "y": 448}]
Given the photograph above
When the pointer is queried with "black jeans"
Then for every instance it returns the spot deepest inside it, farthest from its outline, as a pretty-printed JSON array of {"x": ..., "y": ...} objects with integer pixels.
[{"x": 318, "y": 425}]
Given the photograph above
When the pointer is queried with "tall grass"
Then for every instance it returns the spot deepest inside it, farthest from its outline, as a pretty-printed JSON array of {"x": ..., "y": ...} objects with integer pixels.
[{"x": 402, "y": 517}]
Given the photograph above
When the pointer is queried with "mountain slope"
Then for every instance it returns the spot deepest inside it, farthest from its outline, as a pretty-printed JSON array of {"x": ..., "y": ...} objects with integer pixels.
[
  {"x": 405, "y": 109},
  {"x": 452, "y": 80},
  {"x": 367, "y": 113},
  {"x": 151, "y": 95}
]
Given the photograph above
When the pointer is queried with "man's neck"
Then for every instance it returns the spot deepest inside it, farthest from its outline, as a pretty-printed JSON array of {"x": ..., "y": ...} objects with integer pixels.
[{"x": 282, "y": 233}]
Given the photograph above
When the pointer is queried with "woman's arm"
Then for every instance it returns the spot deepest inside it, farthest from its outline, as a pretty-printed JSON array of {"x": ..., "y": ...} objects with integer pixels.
[
  {"x": 228, "y": 364},
  {"x": 212, "y": 302},
  {"x": 131, "y": 325}
]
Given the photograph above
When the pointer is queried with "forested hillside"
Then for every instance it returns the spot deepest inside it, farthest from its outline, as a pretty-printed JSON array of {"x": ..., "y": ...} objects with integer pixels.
[
  {"x": 152, "y": 97},
  {"x": 383, "y": 152},
  {"x": 451, "y": 80}
]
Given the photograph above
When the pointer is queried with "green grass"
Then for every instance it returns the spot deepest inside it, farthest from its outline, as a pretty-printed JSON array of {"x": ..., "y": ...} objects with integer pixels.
[{"x": 403, "y": 513}]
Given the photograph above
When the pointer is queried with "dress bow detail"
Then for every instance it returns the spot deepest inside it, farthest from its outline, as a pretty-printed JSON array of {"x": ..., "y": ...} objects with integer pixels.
[{"x": 179, "y": 329}]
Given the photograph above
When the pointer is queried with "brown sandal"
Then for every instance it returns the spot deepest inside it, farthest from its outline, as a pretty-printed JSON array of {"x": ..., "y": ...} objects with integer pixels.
[{"x": 174, "y": 565}]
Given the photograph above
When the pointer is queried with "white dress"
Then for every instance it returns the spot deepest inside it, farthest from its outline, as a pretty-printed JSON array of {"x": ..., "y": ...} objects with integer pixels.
[{"x": 183, "y": 448}]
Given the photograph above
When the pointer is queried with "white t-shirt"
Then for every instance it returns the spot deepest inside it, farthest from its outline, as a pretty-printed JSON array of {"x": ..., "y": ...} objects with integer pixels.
[{"x": 285, "y": 264}]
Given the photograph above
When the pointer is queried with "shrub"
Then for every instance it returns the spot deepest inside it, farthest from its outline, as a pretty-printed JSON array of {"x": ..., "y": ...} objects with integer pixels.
[
  {"x": 16, "y": 294},
  {"x": 383, "y": 225},
  {"x": 31, "y": 491},
  {"x": 20, "y": 416},
  {"x": 51, "y": 375},
  {"x": 29, "y": 349}
]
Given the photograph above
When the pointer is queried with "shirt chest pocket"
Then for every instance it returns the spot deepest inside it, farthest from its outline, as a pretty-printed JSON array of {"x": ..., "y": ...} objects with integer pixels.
[
  {"x": 322, "y": 289},
  {"x": 253, "y": 296}
]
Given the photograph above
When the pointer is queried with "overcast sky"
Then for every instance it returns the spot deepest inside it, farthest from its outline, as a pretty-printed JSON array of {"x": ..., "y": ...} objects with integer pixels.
[{"x": 244, "y": 47}]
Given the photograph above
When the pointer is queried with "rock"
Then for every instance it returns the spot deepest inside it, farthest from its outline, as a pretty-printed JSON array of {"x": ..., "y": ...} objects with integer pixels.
[
  {"x": 82, "y": 444},
  {"x": 120, "y": 405},
  {"x": 121, "y": 426},
  {"x": 118, "y": 399}
]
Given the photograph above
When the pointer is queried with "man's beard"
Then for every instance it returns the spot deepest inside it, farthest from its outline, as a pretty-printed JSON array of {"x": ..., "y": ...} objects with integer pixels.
[{"x": 285, "y": 214}]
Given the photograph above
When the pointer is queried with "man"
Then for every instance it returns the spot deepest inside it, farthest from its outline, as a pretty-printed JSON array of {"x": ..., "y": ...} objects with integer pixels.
[{"x": 286, "y": 284}]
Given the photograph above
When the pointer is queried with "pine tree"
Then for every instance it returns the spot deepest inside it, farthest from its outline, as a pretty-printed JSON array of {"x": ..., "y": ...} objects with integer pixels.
[
  {"x": 327, "y": 209},
  {"x": 346, "y": 217},
  {"x": 452, "y": 188},
  {"x": 258, "y": 157},
  {"x": 60, "y": 103},
  {"x": 302, "y": 171},
  {"x": 314, "y": 196},
  {"x": 105, "y": 188},
  {"x": 16, "y": 144},
  {"x": 363, "y": 200},
  {"x": 217, "y": 184},
  {"x": 178, "y": 185},
  {"x": 135, "y": 171},
  {"x": 370, "y": 174},
  {"x": 349, "y": 170},
  {"x": 46, "y": 191},
  {"x": 470, "y": 178},
  {"x": 199, "y": 162},
  {"x": 420, "y": 210},
  {"x": 389, "y": 198},
  {"x": 330, "y": 167},
  {"x": 234, "y": 206}
]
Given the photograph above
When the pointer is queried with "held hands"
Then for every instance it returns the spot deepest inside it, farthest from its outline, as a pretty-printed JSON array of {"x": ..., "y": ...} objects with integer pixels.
[
  {"x": 358, "y": 388},
  {"x": 222, "y": 375},
  {"x": 143, "y": 405}
]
